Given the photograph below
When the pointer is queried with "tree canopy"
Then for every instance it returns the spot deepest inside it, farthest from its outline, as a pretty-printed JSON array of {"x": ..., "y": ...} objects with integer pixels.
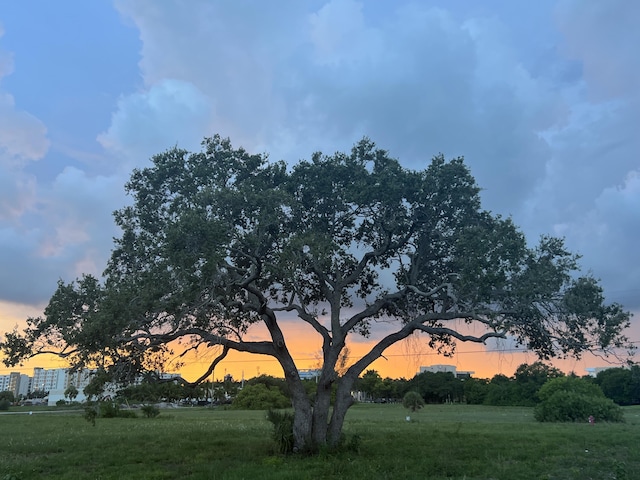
[{"x": 219, "y": 240}]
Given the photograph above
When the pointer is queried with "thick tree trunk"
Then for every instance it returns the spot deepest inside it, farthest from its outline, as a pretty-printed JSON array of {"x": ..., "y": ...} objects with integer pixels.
[
  {"x": 343, "y": 401},
  {"x": 321, "y": 408},
  {"x": 302, "y": 412},
  {"x": 302, "y": 423}
]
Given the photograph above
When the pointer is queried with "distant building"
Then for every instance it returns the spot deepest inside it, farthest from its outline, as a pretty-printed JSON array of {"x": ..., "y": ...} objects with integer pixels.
[
  {"x": 46, "y": 380},
  {"x": 447, "y": 369},
  {"x": 14, "y": 383},
  {"x": 594, "y": 371},
  {"x": 25, "y": 385},
  {"x": 66, "y": 378},
  {"x": 309, "y": 373},
  {"x": 4, "y": 383},
  {"x": 17, "y": 383},
  {"x": 56, "y": 381}
]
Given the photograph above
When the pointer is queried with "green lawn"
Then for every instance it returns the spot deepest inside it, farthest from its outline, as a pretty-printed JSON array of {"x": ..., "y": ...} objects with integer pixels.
[{"x": 453, "y": 442}]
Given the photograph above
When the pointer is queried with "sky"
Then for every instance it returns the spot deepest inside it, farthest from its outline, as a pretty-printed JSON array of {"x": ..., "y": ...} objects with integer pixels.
[{"x": 541, "y": 98}]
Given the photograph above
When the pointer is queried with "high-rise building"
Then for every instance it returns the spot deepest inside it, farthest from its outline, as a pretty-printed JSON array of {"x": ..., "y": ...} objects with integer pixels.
[
  {"x": 4, "y": 383},
  {"x": 47, "y": 380}
]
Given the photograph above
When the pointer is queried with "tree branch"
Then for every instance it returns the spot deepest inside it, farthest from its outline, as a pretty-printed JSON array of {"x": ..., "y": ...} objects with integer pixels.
[{"x": 216, "y": 361}]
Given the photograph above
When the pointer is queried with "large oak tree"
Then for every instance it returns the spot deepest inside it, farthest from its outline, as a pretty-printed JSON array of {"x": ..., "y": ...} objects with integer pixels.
[{"x": 217, "y": 241}]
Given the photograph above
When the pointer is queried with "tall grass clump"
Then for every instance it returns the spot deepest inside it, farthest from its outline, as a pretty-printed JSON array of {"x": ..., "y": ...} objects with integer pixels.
[
  {"x": 150, "y": 411},
  {"x": 282, "y": 422}
]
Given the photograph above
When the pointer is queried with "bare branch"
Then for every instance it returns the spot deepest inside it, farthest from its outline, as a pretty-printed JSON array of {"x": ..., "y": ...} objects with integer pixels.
[{"x": 216, "y": 361}]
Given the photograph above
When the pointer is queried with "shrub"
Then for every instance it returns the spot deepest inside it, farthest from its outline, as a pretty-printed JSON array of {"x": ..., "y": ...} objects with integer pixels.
[
  {"x": 90, "y": 414},
  {"x": 150, "y": 411},
  {"x": 5, "y": 404},
  {"x": 413, "y": 401},
  {"x": 260, "y": 397},
  {"x": 7, "y": 395},
  {"x": 109, "y": 410},
  {"x": 127, "y": 414},
  {"x": 569, "y": 384},
  {"x": 569, "y": 406}
]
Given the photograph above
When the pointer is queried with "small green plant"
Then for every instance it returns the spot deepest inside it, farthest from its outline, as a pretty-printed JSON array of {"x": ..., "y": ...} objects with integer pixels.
[
  {"x": 4, "y": 405},
  {"x": 282, "y": 429},
  {"x": 127, "y": 414},
  {"x": 109, "y": 410},
  {"x": 90, "y": 414},
  {"x": 150, "y": 411},
  {"x": 413, "y": 401},
  {"x": 354, "y": 443}
]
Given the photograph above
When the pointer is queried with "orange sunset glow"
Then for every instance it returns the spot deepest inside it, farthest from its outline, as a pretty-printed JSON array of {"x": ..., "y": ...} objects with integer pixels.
[{"x": 401, "y": 360}]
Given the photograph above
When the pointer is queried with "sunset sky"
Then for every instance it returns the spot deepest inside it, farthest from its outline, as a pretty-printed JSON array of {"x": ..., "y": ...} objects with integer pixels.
[{"x": 541, "y": 98}]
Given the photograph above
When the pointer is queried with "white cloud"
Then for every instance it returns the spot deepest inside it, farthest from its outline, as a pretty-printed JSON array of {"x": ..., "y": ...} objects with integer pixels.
[
  {"x": 17, "y": 194},
  {"x": 22, "y": 136},
  {"x": 171, "y": 112},
  {"x": 547, "y": 123}
]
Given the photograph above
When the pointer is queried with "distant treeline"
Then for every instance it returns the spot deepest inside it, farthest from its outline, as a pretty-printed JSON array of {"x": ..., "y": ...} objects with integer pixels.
[{"x": 622, "y": 385}]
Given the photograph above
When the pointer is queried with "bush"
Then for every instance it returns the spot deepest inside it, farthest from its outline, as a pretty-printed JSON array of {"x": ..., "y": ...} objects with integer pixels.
[
  {"x": 260, "y": 397},
  {"x": 4, "y": 405},
  {"x": 127, "y": 414},
  {"x": 570, "y": 406},
  {"x": 569, "y": 384},
  {"x": 7, "y": 395},
  {"x": 109, "y": 410},
  {"x": 150, "y": 411}
]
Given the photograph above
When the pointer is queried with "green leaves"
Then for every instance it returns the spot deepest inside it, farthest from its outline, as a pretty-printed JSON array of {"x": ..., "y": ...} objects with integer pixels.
[{"x": 218, "y": 240}]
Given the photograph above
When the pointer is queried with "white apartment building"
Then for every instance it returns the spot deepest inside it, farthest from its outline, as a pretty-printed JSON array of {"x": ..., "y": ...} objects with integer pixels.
[
  {"x": 15, "y": 382},
  {"x": 446, "y": 368},
  {"x": 25, "y": 385},
  {"x": 4, "y": 383},
  {"x": 56, "y": 381},
  {"x": 47, "y": 380}
]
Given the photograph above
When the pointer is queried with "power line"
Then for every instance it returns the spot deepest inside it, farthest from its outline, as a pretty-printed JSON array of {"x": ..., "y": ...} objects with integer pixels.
[{"x": 301, "y": 359}]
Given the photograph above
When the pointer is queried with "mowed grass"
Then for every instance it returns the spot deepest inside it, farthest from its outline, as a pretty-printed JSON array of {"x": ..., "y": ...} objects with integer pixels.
[{"x": 443, "y": 441}]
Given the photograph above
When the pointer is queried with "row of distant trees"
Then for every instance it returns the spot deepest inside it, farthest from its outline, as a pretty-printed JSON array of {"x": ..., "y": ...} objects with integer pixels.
[
  {"x": 622, "y": 385},
  {"x": 8, "y": 398}
]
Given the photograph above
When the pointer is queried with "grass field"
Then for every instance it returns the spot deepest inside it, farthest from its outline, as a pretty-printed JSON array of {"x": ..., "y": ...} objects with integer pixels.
[{"x": 452, "y": 442}]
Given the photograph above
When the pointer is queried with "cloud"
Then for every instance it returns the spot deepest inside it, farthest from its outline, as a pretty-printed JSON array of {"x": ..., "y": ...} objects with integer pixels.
[
  {"x": 171, "y": 112},
  {"x": 545, "y": 113},
  {"x": 603, "y": 37},
  {"x": 607, "y": 236},
  {"x": 589, "y": 192},
  {"x": 535, "y": 119},
  {"x": 17, "y": 194},
  {"x": 291, "y": 81},
  {"x": 23, "y": 139},
  {"x": 22, "y": 136}
]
